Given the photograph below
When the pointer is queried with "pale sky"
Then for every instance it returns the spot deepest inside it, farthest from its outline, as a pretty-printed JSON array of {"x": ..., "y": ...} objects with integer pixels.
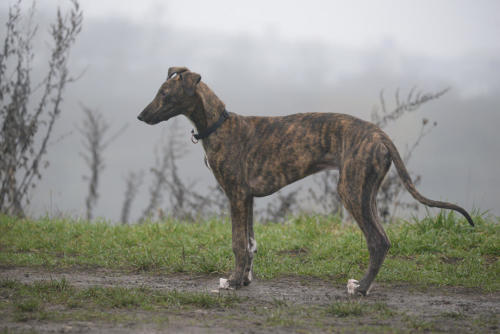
[{"x": 447, "y": 29}]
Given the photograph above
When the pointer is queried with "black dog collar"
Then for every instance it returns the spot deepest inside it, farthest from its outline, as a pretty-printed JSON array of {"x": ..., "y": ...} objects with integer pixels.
[{"x": 204, "y": 134}]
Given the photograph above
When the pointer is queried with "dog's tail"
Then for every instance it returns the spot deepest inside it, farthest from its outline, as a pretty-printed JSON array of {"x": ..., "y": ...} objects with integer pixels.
[{"x": 408, "y": 183}]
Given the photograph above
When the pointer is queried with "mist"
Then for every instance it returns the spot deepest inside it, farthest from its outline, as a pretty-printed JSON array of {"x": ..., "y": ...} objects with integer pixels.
[{"x": 266, "y": 71}]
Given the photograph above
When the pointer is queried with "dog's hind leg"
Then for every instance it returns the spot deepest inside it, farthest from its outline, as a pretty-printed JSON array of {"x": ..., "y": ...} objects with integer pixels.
[
  {"x": 241, "y": 209},
  {"x": 359, "y": 181}
]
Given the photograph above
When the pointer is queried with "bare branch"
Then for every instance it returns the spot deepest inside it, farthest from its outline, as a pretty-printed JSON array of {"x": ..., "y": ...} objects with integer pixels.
[
  {"x": 324, "y": 192},
  {"x": 94, "y": 129},
  {"x": 159, "y": 181},
  {"x": 409, "y": 105},
  {"x": 25, "y": 131},
  {"x": 133, "y": 182},
  {"x": 391, "y": 189},
  {"x": 184, "y": 202},
  {"x": 283, "y": 206}
]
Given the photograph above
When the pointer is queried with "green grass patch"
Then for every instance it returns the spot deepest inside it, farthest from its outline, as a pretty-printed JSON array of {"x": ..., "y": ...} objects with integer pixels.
[
  {"x": 441, "y": 250},
  {"x": 453, "y": 315},
  {"x": 39, "y": 299},
  {"x": 347, "y": 308},
  {"x": 358, "y": 307}
]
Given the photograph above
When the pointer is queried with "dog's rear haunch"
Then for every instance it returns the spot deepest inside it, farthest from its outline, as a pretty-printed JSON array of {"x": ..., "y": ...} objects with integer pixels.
[{"x": 256, "y": 156}]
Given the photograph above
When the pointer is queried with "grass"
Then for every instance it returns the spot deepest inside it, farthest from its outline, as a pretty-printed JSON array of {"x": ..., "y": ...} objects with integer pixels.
[
  {"x": 39, "y": 299},
  {"x": 356, "y": 308},
  {"x": 347, "y": 308},
  {"x": 441, "y": 250}
]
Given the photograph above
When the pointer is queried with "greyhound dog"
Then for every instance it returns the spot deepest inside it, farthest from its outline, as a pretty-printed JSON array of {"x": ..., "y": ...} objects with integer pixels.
[{"x": 256, "y": 156}]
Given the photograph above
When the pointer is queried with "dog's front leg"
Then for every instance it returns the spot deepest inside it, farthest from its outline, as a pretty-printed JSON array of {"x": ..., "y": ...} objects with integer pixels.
[
  {"x": 240, "y": 210},
  {"x": 252, "y": 247}
]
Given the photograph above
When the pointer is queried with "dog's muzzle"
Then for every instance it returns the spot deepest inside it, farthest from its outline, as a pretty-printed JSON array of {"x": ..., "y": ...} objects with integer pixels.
[{"x": 148, "y": 117}]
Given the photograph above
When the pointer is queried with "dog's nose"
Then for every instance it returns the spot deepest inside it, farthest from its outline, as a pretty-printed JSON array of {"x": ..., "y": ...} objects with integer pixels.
[{"x": 140, "y": 117}]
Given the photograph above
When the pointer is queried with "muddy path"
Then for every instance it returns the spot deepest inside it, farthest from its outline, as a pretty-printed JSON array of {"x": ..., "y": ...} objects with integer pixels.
[{"x": 288, "y": 304}]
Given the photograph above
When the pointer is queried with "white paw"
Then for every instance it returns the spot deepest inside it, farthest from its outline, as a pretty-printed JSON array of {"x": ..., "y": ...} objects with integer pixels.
[
  {"x": 252, "y": 245},
  {"x": 224, "y": 284},
  {"x": 352, "y": 284}
]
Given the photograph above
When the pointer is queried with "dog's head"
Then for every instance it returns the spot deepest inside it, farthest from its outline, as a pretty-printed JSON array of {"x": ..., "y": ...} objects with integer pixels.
[{"x": 174, "y": 97}]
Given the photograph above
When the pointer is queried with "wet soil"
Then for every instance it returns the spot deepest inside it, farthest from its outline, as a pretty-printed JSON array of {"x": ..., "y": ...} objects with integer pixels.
[{"x": 284, "y": 305}]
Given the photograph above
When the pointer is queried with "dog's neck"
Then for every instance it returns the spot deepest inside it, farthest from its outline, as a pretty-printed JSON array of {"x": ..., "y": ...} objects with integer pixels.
[{"x": 207, "y": 110}]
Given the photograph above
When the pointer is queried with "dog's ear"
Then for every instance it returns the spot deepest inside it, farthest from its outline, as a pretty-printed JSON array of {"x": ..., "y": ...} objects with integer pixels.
[
  {"x": 189, "y": 82},
  {"x": 176, "y": 70}
]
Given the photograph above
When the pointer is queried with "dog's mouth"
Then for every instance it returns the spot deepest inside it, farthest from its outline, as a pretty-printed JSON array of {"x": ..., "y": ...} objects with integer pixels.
[
  {"x": 156, "y": 117},
  {"x": 149, "y": 119}
]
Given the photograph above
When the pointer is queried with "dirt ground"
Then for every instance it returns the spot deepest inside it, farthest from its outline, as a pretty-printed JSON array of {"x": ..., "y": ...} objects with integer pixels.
[{"x": 285, "y": 305}]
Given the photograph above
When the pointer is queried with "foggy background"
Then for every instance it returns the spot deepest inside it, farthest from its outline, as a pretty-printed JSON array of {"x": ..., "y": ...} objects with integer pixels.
[{"x": 277, "y": 58}]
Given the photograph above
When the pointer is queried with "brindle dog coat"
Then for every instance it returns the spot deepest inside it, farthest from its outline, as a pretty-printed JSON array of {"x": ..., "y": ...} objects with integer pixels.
[{"x": 256, "y": 156}]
